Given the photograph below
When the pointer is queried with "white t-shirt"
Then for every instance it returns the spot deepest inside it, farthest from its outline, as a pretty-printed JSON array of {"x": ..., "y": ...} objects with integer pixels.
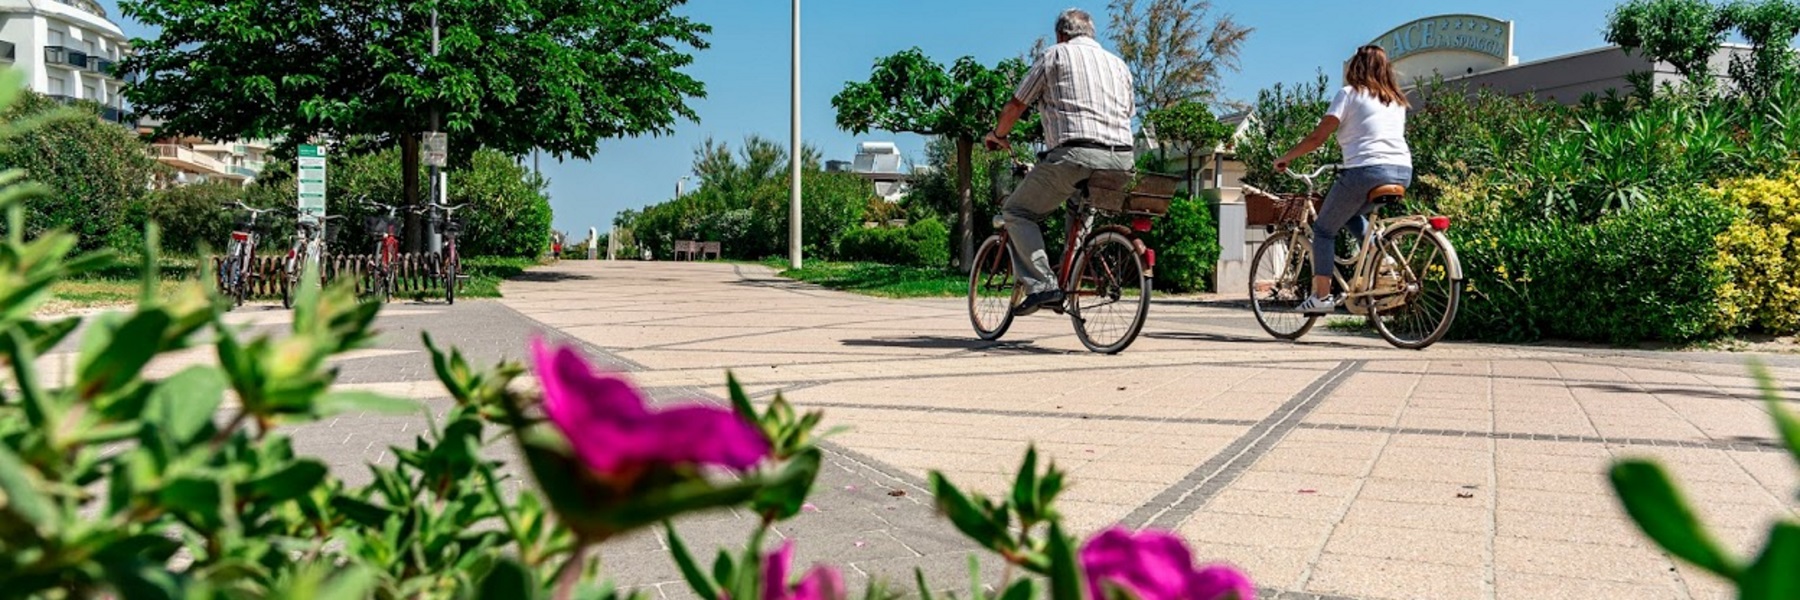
[{"x": 1371, "y": 133}]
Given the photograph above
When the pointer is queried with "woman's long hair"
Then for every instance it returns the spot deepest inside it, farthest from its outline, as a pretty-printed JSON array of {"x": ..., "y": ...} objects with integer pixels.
[{"x": 1371, "y": 72}]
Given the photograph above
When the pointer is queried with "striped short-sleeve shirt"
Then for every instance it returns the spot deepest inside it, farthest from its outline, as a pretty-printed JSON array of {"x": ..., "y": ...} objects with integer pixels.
[{"x": 1083, "y": 92}]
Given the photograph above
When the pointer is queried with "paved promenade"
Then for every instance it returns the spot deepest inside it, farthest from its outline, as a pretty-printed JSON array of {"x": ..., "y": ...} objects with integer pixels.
[{"x": 1333, "y": 468}]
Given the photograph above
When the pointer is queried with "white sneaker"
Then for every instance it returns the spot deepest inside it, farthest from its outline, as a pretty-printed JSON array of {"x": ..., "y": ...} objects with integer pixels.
[{"x": 1314, "y": 306}]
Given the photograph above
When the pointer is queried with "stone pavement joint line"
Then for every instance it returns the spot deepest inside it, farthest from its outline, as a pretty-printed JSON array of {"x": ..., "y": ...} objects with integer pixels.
[{"x": 1174, "y": 505}]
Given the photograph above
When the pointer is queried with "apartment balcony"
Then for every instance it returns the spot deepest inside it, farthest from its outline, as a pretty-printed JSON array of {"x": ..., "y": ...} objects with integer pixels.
[
  {"x": 102, "y": 66},
  {"x": 63, "y": 55},
  {"x": 186, "y": 159}
]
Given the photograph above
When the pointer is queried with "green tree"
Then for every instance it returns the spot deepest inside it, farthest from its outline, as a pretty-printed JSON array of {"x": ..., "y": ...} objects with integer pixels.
[
  {"x": 510, "y": 76},
  {"x": 1176, "y": 49},
  {"x": 1283, "y": 116},
  {"x": 1190, "y": 126},
  {"x": 97, "y": 173},
  {"x": 1684, "y": 33},
  {"x": 910, "y": 93},
  {"x": 1770, "y": 26}
]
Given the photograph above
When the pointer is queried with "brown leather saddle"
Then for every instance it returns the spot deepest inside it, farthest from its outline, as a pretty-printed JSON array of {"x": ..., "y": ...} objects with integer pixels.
[{"x": 1387, "y": 194}]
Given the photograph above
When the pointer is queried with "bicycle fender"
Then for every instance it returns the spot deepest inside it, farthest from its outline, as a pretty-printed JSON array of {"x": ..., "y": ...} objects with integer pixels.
[{"x": 1456, "y": 271}]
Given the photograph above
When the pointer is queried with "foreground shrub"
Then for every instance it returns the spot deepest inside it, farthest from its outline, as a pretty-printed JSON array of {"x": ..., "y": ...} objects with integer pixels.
[
  {"x": 1646, "y": 274},
  {"x": 921, "y": 244},
  {"x": 1186, "y": 243},
  {"x": 1760, "y": 253},
  {"x": 196, "y": 216}
]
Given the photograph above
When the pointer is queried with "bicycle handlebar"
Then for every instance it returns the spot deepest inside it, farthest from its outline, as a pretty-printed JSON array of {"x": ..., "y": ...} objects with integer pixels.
[
  {"x": 1314, "y": 175},
  {"x": 248, "y": 208}
]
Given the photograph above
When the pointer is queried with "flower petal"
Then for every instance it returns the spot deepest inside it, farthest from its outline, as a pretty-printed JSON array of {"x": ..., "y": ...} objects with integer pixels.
[
  {"x": 775, "y": 572},
  {"x": 705, "y": 435},
  {"x": 821, "y": 583},
  {"x": 1220, "y": 582}
]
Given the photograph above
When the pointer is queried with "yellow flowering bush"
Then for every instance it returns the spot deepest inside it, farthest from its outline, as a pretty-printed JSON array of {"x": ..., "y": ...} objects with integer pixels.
[{"x": 1761, "y": 254}]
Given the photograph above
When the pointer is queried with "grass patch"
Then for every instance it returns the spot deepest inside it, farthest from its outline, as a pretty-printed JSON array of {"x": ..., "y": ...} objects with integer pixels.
[
  {"x": 874, "y": 279},
  {"x": 117, "y": 284},
  {"x": 1349, "y": 324},
  {"x": 486, "y": 273}
]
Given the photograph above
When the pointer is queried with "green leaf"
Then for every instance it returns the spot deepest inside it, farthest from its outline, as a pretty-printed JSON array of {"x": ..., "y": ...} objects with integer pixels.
[
  {"x": 183, "y": 405},
  {"x": 1776, "y": 573},
  {"x": 293, "y": 481},
  {"x": 1785, "y": 422},
  {"x": 1025, "y": 487},
  {"x": 356, "y": 401},
  {"x": 201, "y": 499},
  {"x": 1023, "y": 589},
  {"x": 355, "y": 584},
  {"x": 1651, "y": 500},
  {"x": 740, "y": 401},
  {"x": 508, "y": 581},
  {"x": 965, "y": 515},
  {"x": 786, "y": 500},
  {"x": 121, "y": 353},
  {"x": 924, "y": 590},
  {"x": 1066, "y": 581},
  {"x": 690, "y": 570},
  {"x": 22, "y": 497}
]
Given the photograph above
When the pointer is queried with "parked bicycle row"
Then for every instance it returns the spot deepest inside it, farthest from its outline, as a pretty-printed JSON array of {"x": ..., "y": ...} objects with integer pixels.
[{"x": 379, "y": 271}]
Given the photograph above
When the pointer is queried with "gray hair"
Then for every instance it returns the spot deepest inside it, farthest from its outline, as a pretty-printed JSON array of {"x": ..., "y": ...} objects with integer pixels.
[{"x": 1074, "y": 23}]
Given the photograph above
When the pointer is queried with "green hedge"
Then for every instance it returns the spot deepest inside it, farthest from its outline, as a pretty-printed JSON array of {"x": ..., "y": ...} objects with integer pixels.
[
  {"x": 1647, "y": 274},
  {"x": 1187, "y": 244},
  {"x": 921, "y": 244}
]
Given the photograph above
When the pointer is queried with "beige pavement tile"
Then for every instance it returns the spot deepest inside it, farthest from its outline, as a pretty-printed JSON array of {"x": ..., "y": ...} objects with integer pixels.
[
  {"x": 1112, "y": 492},
  {"x": 1561, "y": 463},
  {"x": 1585, "y": 561},
  {"x": 1295, "y": 483},
  {"x": 1411, "y": 545},
  {"x": 1313, "y": 463},
  {"x": 1527, "y": 586},
  {"x": 1564, "y": 449},
  {"x": 1329, "y": 418},
  {"x": 1084, "y": 518},
  {"x": 1467, "y": 519},
  {"x": 1703, "y": 585},
  {"x": 1426, "y": 422},
  {"x": 1458, "y": 443},
  {"x": 1266, "y": 566},
  {"x": 1617, "y": 531},
  {"x": 1292, "y": 505},
  {"x": 1365, "y": 577},
  {"x": 1603, "y": 505},
  {"x": 1561, "y": 481},
  {"x": 1300, "y": 535},
  {"x": 1336, "y": 436},
  {"x": 1164, "y": 474},
  {"x": 1413, "y": 491}
]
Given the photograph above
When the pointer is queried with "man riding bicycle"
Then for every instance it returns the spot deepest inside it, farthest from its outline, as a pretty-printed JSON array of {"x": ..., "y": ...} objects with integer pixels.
[{"x": 1083, "y": 93}]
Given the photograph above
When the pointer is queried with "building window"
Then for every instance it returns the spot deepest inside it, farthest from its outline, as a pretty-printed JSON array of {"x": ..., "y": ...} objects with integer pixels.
[
  {"x": 89, "y": 93},
  {"x": 59, "y": 86},
  {"x": 56, "y": 38}
]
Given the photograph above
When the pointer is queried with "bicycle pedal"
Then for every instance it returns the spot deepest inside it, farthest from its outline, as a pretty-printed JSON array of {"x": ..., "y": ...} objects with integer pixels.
[{"x": 1058, "y": 309}]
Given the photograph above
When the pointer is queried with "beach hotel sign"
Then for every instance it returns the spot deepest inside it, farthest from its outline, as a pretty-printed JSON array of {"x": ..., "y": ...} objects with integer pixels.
[
  {"x": 1448, "y": 45},
  {"x": 1450, "y": 33}
]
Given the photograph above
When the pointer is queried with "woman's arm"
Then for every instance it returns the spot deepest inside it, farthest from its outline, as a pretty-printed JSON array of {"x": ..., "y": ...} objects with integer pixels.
[{"x": 1327, "y": 126}]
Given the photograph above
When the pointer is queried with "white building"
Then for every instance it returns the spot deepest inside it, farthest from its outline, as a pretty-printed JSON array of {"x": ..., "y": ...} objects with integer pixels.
[
  {"x": 879, "y": 162},
  {"x": 67, "y": 49}
]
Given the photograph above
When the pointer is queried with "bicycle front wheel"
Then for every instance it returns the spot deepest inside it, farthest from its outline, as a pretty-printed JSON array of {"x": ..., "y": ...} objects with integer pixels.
[
  {"x": 1426, "y": 296},
  {"x": 451, "y": 269},
  {"x": 993, "y": 291},
  {"x": 1280, "y": 279},
  {"x": 1112, "y": 294}
]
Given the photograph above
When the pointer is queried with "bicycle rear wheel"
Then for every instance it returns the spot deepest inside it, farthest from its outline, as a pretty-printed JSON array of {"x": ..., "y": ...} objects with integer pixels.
[
  {"x": 1427, "y": 295},
  {"x": 1280, "y": 279},
  {"x": 993, "y": 291},
  {"x": 451, "y": 268},
  {"x": 1112, "y": 294}
]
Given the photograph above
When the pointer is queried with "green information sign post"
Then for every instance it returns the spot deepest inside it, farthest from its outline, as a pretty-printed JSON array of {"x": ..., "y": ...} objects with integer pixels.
[{"x": 312, "y": 182}]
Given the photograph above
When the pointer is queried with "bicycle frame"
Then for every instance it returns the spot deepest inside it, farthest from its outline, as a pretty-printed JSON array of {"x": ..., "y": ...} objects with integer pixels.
[{"x": 1364, "y": 272}]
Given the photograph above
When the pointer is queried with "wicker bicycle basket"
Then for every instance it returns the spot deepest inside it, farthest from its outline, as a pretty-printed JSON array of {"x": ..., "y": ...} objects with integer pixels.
[
  {"x": 1131, "y": 192},
  {"x": 1266, "y": 208}
]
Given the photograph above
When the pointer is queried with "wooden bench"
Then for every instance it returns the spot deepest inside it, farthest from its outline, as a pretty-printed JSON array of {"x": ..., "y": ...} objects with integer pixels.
[{"x": 710, "y": 249}]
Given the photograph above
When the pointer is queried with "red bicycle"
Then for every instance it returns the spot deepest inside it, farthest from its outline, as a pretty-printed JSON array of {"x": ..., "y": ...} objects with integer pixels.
[
  {"x": 384, "y": 228},
  {"x": 1106, "y": 269}
]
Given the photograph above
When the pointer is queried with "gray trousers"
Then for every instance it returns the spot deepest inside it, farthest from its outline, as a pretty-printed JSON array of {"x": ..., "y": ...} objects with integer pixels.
[{"x": 1046, "y": 187}]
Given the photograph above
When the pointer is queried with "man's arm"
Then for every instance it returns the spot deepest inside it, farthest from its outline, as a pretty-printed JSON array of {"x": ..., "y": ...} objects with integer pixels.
[{"x": 1009, "y": 116}]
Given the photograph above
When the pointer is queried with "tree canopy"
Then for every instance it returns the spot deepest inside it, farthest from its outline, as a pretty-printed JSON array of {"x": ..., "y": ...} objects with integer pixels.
[
  {"x": 559, "y": 75},
  {"x": 1177, "y": 49}
]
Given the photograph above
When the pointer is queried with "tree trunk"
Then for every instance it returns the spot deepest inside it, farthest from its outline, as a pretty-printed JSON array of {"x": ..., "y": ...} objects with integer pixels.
[
  {"x": 1191, "y": 190},
  {"x": 964, "y": 171},
  {"x": 409, "y": 187}
]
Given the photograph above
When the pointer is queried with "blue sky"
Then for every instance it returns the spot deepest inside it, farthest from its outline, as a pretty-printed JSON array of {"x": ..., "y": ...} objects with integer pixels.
[{"x": 746, "y": 69}]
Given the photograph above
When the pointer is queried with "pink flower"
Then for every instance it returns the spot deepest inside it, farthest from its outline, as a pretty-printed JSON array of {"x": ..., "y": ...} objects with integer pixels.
[
  {"x": 1155, "y": 565},
  {"x": 822, "y": 583},
  {"x": 614, "y": 433}
]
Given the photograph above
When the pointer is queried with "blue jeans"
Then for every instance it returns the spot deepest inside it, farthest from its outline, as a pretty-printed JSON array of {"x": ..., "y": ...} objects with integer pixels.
[{"x": 1347, "y": 206}]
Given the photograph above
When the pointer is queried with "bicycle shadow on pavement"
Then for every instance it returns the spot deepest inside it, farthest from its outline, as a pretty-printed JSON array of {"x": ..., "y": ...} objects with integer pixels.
[
  {"x": 932, "y": 342},
  {"x": 548, "y": 276},
  {"x": 1187, "y": 336}
]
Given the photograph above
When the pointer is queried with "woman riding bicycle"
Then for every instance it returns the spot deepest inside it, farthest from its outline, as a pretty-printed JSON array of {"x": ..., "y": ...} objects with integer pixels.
[{"x": 1369, "y": 116}]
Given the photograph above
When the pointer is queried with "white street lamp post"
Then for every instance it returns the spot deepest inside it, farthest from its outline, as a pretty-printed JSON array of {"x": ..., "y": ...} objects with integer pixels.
[{"x": 794, "y": 155}]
